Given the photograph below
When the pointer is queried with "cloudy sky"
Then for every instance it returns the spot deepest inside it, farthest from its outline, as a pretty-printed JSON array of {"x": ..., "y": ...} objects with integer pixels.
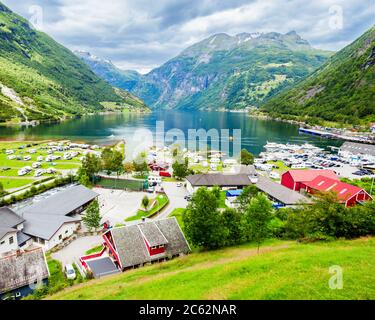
[{"x": 142, "y": 34}]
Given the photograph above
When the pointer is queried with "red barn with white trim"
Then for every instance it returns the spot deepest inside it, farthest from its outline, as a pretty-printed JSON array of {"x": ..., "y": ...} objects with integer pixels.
[
  {"x": 296, "y": 179},
  {"x": 348, "y": 194}
]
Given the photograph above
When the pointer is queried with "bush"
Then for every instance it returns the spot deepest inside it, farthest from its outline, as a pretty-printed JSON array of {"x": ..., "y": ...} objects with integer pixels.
[{"x": 328, "y": 219}]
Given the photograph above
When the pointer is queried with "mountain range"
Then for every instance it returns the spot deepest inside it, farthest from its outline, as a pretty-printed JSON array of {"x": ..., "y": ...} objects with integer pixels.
[
  {"x": 220, "y": 72},
  {"x": 42, "y": 80},
  {"x": 342, "y": 90}
]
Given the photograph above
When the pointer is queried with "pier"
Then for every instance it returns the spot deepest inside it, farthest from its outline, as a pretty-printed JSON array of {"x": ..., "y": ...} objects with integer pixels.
[{"x": 332, "y": 135}]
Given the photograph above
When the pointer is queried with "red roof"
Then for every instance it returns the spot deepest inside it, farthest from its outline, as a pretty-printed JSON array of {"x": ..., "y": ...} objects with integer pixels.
[
  {"x": 344, "y": 190},
  {"x": 309, "y": 175}
]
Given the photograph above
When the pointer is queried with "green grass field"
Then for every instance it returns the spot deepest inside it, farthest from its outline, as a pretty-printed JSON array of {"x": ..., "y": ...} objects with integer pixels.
[
  {"x": 178, "y": 214},
  {"x": 15, "y": 183},
  {"x": 11, "y": 180},
  {"x": 95, "y": 249},
  {"x": 282, "y": 270},
  {"x": 162, "y": 201},
  {"x": 281, "y": 166}
]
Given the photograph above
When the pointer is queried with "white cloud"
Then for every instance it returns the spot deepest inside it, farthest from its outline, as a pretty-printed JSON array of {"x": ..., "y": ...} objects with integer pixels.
[{"x": 142, "y": 34}]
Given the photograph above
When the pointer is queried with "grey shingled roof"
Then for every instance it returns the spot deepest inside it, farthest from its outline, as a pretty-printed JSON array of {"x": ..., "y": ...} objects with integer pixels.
[
  {"x": 219, "y": 179},
  {"x": 358, "y": 148},
  {"x": 63, "y": 202},
  {"x": 8, "y": 221},
  {"x": 281, "y": 193},
  {"x": 5, "y": 231},
  {"x": 22, "y": 238},
  {"x": 17, "y": 271},
  {"x": 44, "y": 226},
  {"x": 9, "y": 218},
  {"x": 131, "y": 247},
  {"x": 153, "y": 235},
  {"x": 176, "y": 239}
]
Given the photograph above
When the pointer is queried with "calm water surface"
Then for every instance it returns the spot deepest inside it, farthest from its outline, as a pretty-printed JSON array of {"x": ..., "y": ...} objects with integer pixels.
[{"x": 103, "y": 129}]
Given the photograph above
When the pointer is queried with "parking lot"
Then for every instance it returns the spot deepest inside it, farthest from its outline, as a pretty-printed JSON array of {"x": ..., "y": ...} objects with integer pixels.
[
  {"x": 117, "y": 205},
  {"x": 76, "y": 249}
]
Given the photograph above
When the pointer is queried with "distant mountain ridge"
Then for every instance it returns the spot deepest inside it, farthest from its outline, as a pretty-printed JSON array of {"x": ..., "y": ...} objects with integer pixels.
[
  {"x": 222, "y": 72},
  {"x": 42, "y": 80},
  {"x": 108, "y": 71},
  {"x": 342, "y": 90}
]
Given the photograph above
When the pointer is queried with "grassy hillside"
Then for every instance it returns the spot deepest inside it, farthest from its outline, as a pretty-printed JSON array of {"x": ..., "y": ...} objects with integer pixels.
[
  {"x": 42, "y": 80},
  {"x": 342, "y": 90},
  {"x": 282, "y": 270}
]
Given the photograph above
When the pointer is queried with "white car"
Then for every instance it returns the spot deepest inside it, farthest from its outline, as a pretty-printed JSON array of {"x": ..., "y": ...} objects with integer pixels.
[
  {"x": 274, "y": 175},
  {"x": 39, "y": 173},
  {"x": 22, "y": 172},
  {"x": 69, "y": 271},
  {"x": 36, "y": 165},
  {"x": 27, "y": 158},
  {"x": 179, "y": 184}
]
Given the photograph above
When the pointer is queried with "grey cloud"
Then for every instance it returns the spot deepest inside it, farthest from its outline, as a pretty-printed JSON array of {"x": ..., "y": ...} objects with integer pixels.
[{"x": 143, "y": 34}]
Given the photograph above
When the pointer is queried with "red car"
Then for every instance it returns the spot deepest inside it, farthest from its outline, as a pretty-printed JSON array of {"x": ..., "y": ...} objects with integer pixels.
[{"x": 164, "y": 174}]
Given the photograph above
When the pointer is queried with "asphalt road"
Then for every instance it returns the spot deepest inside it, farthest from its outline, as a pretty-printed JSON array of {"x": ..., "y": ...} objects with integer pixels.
[
  {"x": 76, "y": 249},
  {"x": 176, "y": 198}
]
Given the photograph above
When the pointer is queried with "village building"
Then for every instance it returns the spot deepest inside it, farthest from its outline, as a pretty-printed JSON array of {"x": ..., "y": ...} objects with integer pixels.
[
  {"x": 354, "y": 148},
  {"x": 12, "y": 236},
  {"x": 281, "y": 195},
  {"x": 134, "y": 245},
  {"x": 296, "y": 179},
  {"x": 239, "y": 180},
  {"x": 52, "y": 220},
  {"x": 21, "y": 272},
  {"x": 348, "y": 194}
]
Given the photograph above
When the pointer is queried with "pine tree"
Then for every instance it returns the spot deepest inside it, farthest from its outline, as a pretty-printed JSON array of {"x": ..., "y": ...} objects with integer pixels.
[{"x": 92, "y": 217}]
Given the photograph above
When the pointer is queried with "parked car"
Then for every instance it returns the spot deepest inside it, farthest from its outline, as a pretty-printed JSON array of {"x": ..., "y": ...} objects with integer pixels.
[
  {"x": 69, "y": 271},
  {"x": 165, "y": 174},
  {"x": 179, "y": 184}
]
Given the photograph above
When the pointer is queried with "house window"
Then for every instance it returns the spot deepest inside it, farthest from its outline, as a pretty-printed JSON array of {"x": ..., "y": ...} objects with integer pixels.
[{"x": 11, "y": 240}]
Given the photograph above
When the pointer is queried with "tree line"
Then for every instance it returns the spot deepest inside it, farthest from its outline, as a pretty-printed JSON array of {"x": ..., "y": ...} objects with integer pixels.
[{"x": 255, "y": 219}]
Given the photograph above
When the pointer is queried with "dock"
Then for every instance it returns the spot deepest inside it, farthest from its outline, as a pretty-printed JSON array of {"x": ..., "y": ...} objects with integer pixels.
[{"x": 332, "y": 135}]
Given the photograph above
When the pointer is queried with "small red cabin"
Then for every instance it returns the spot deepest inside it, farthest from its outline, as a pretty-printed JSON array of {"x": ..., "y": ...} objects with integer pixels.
[
  {"x": 134, "y": 245},
  {"x": 296, "y": 179}
]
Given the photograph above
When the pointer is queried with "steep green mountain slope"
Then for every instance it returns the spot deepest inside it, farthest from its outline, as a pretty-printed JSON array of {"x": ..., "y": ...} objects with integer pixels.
[
  {"x": 342, "y": 90},
  {"x": 42, "y": 80},
  {"x": 106, "y": 70},
  {"x": 224, "y": 72}
]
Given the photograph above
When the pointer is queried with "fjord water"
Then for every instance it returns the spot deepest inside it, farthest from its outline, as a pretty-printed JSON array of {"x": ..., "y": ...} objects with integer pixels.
[{"x": 104, "y": 129}]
